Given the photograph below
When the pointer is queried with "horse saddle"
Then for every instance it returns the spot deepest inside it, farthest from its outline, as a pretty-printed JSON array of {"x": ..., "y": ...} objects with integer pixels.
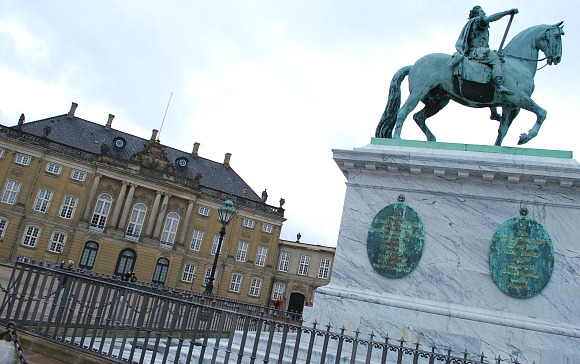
[{"x": 472, "y": 80}]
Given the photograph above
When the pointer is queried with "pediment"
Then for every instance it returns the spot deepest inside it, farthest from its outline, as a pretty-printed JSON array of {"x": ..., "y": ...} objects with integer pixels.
[{"x": 153, "y": 157}]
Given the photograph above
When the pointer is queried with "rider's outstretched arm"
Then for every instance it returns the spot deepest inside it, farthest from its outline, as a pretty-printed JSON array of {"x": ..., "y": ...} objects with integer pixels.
[{"x": 498, "y": 16}]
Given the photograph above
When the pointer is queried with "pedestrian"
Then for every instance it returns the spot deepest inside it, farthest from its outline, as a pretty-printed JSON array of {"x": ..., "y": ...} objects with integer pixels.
[{"x": 278, "y": 303}]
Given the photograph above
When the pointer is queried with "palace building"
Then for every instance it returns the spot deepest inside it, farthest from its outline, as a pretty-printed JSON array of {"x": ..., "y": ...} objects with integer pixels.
[{"x": 114, "y": 202}]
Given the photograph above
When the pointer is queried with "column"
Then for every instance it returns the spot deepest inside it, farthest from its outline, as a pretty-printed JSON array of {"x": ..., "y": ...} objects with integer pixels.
[
  {"x": 161, "y": 215},
  {"x": 127, "y": 206},
  {"x": 181, "y": 240},
  {"x": 153, "y": 214},
  {"x": 92, "y": 194},
  {"x": 118, "y": 205}
]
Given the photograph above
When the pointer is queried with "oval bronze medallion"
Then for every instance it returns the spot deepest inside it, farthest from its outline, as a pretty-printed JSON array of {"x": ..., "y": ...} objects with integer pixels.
[
  {"x": 395, "y": 240},
  {"x": 521, "y": 257}
]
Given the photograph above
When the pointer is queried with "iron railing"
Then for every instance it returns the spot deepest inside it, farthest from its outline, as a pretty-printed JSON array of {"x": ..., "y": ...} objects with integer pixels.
[{"x": 138, "y": 323}]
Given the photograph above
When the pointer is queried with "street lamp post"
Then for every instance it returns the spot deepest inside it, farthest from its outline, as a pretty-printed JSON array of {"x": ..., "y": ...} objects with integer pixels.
[{"x": 226, "y": 212}]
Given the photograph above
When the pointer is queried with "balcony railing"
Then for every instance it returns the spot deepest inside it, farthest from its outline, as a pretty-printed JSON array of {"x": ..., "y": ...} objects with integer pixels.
[{"x": 165, "y": 245}]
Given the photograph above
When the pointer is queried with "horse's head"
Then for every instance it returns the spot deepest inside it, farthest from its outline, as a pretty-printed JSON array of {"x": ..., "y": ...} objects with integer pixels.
[{"x": 550, "y": 42}]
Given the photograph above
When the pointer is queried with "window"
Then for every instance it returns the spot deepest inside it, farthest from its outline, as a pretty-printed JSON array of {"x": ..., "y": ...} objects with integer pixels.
[
  {"x": 215, "y": 243},
  {"x": 69, "y": 204},
  {"x": 30, "y": 237},
  {"x": 284, "y": 261},
  {"x": 125, "y": 262},
  {"x": 203, "y": 210},
  {"x": 267, "y": 228},
  {"x": 303, "y": 266},
  {"x": 242, "y": 251},
  {"x": 160, "y": 271},
  {"x": 53, "y": 168},
  {"x": 236, "y": 282},
  {"x": 206, "y": 276},
  {"x": 248, "y": 223},
  {"x": 42, "y": 200},
  {"x": 89, "y": 255},
  {"x": 196, "y": 239},
  {"x": 3, "y": 226},
  {"x": 324, "y": 268},
  {"x": 22, "y": 159},
  {"x": 57, "y": 242},
  {"x": 101, "y": 212},
  {"x": 188, "y": 273},
  {"x": 136, "y": 222},
  {"x": 11, "y": 191},
  {"x": 78, "y": 175},
  {"x": 261, "y": 255},
  {"x": 278, "y": 290},
  {"x": 170, "y": 230},
  {"x": 255, "y": 287}
]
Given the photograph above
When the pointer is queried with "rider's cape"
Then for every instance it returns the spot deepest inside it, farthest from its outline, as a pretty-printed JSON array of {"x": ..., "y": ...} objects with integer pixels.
[
  {"x": 463, "y": 66},
  {"x": 462, "y": 46}
]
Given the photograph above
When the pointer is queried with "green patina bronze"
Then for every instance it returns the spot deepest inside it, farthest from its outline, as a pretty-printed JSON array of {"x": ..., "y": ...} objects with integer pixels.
[
  {"x": 521, "y": 257},
  {"x": 474, "y": 76},
  {"x": 474, "y": 148},
  {"x": 395, "y": 240}
]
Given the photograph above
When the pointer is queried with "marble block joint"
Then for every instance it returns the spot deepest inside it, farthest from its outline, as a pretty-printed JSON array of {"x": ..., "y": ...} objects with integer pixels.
[{"x": 489, "y": 278}]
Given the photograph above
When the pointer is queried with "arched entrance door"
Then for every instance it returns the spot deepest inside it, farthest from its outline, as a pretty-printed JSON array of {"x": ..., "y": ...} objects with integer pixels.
[{"x": 296, "y": 303}]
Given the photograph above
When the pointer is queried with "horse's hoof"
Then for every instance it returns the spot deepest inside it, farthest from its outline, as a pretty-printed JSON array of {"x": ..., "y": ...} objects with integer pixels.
[{"x": 523, "y": 139}]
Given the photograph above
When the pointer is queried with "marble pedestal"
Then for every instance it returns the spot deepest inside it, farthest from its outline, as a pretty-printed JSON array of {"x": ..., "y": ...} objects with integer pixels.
[{"x": 462, "y": 193}]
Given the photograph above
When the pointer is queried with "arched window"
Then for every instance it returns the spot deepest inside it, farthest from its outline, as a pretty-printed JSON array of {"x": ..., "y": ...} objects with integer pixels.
[
  {"x": 126, "y": 262},
  {"x": 89, "y": 255},
  {"x": 101, "y": 212},
  {"x": 136, "y": 222},
  {"x": 160, "y": 271},
  {"x": 170, "y": 230}
]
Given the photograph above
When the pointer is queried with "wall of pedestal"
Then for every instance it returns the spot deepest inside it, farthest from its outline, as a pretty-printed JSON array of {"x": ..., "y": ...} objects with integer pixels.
[{"x": 465, "y": 198}]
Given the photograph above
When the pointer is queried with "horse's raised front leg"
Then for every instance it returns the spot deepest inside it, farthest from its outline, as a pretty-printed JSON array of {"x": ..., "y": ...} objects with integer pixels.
[
  {"x": 525, "y": 102},
  {"x": 409, "y": 105},
  {"x": 508, "y": 115}
]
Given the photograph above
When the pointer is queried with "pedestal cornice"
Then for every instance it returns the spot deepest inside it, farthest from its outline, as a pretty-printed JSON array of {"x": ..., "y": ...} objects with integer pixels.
[{"x": 462, "y": 161}]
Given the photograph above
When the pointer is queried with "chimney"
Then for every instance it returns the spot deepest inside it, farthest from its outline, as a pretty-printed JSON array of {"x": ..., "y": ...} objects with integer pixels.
[
  {"x": 109, "y": 122},
  {"x": 154, "y": 133},
  {"x": 73, "y": 108},
  {"x": 195, "y": 150},
  {"x": 227, "y": 160}
]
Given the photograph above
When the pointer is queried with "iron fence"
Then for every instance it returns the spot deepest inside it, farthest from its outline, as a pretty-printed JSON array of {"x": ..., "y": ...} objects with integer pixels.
[{"x": 138, "y": 323}]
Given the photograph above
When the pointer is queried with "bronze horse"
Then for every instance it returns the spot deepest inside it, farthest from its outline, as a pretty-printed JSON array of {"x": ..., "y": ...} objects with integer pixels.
[{"x": 431, "y": 81}]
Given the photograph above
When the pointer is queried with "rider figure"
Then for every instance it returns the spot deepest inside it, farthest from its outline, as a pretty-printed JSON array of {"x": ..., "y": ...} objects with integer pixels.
[{"x": 473, "y": 43}]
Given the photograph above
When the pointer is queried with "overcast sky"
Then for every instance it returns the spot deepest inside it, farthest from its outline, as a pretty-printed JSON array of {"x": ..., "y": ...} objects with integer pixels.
[{"x": 276, "y": 83}]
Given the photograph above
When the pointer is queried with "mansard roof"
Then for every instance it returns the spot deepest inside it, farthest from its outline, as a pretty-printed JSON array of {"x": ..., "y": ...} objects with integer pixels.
[{"x": 90, "y": 137}]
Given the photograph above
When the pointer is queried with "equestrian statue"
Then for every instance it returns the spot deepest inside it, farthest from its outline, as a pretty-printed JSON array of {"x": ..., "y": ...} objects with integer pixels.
[{"x": 475, "y": 76}]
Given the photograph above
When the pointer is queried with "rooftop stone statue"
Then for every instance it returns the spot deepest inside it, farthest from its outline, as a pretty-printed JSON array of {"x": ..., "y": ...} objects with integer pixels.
[{"x": 476, "y": 77}]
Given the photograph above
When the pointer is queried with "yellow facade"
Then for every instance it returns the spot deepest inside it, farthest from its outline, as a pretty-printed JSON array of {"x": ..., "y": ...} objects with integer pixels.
[
  {"x": 110, "y": 215},
  {"x": 300, "y": 269}
]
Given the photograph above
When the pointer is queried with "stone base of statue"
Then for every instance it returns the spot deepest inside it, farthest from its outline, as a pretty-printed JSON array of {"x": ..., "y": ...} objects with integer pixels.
[{"x": 473, "y": 247}]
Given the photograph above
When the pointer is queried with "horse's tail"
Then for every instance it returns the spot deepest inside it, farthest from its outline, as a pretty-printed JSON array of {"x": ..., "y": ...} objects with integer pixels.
[{"x": 387, "y": 123}]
